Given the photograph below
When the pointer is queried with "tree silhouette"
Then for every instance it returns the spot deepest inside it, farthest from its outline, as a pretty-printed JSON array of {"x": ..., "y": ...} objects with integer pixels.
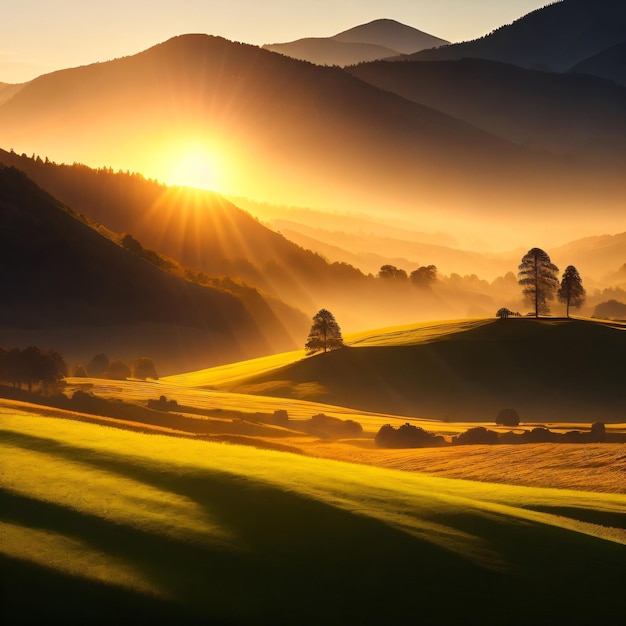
[
  {"x": 424, "y": 276},
  {"x": 537, "y": 274},
  {"x": 325, "y": 333},
  {"x": 391, "y": 272},
  {"x": 571, "y": 292},
  {"x": 144, "y": 367}
]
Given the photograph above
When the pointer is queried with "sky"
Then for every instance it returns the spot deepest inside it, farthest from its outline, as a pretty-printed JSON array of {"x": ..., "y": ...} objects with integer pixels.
[{"x": 40, "y": 36}]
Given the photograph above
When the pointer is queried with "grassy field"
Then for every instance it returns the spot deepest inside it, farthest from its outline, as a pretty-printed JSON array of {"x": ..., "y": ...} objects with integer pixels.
[
  {"x": 177, "y": 531},
  {"x": 548, "y": 369}
]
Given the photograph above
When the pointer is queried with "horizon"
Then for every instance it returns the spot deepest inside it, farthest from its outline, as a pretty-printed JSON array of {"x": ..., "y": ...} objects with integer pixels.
[{"x": 39, "y": 37}]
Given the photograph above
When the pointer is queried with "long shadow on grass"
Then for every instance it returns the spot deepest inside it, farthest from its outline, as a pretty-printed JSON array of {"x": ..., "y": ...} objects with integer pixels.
[{"x": 299, "y": 560}]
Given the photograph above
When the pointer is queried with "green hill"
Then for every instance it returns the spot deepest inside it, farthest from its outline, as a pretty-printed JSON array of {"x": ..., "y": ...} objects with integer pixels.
[
  {"x": 117, "y": 527},
  {"x": 548, "y": 370}
]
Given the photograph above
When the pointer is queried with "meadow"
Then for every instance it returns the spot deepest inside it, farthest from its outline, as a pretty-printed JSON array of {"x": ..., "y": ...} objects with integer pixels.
[
  {"x": 168, "y": 529},
  {"x": 237, "y": 520}
]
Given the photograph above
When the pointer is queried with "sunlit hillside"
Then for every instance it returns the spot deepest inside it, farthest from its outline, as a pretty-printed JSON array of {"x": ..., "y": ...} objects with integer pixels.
[
  {"x": 549, "y": 370},
  {"x": 162, "y": 529}
]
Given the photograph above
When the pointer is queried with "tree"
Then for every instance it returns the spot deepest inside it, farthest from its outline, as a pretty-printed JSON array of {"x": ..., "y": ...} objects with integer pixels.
[
  {"x": 325, "y": 333},
  {"x": 98, "y": 365},
  {"x": 537, "y": 274},
  {"x": 503, "y": 313},
  {"x": 508, "y": 417},
  {"x": 424, "y": 276},
  {"x": 391, "y": 272},
  {"x": 571, "y": 292},
  {"x": 117, "y": 370},
  {"x": 144, "y": 367}
]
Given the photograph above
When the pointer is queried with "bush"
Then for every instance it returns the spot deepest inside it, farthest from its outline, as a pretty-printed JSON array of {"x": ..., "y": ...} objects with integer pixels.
[
  {"x": 598, "y": 432},
  {"x": 478, "y": 435},
  {"x": 98, "y": 366},
  {"x": 406, "y": 436},
  {"x": 117, "y": 370},
  {"x": 144, "y": 368},
  {"x": 508, "y": 417}
]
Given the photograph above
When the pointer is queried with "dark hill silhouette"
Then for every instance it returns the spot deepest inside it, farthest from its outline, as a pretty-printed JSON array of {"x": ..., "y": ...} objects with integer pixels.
[
  {"x": 564, "y": 114},
  {"x": 378, "y": 39},
  {"x": 65, "y": 285},
  {"x": 610, "y": 64},
  {"x": 554, "y": 38},
  {"x": 546, "y": 370},
  {"x": 293, "y": 133},
  {"x": 200, "y": 229}
]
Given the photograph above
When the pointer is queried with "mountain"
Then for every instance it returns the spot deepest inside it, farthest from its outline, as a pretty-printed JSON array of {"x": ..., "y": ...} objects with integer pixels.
[
  {"x": 375, "y": 40},
  {"x": 67, "y": 286},
  {"x": 547, "y": 370},
  {"x": 610, "y": 64},
  {"x": 554, "y": 38},
  {"x": 565, "y": 114},
  {"x": 8, "y": 90},
  {"x": 290, "y": 132},
  {"x": 599, "y": 256}
]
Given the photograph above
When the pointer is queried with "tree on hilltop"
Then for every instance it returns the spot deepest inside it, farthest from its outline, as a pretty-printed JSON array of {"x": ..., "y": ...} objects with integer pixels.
[
  {"x": 537, "y": 275},
  {"x": 571, "y": 292},
  {"x": 325, "y": 333}
]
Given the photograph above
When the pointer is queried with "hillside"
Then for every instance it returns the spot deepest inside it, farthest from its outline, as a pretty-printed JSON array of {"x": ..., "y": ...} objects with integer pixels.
[
  {"x": 563, "y": 114},
  {"x": 609, "y": 63},
  {"x": 378, "y": 39},
  {"x": 160, "y": 530},
  {"x": 276, "y": 127},
  {"x": 215, "y": 238},
  {"x": 548, "y": 370},
  {"x": 554, "y": 38},
  {"x": 66, "y": 285}
]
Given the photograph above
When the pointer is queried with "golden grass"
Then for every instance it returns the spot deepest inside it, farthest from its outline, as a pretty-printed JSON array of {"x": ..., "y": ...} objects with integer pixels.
[{"x": 585, "y": 467}]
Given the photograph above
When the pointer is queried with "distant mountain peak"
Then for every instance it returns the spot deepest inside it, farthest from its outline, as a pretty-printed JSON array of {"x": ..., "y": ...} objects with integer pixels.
[{"x": 378, "y": 39}]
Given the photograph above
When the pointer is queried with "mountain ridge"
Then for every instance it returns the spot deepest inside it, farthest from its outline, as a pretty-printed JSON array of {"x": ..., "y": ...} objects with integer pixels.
[{"x": 377, "y": 39}]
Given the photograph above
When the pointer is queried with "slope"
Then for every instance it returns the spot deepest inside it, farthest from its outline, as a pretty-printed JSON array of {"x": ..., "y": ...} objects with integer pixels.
[
  {"x": 609, "y": 63},
  {"x": 278, "y": 128},
  {"x": 554, "y": 38},
  {"x": 64, "y": 283},
  {"x": 548, "y": 370},
  {"x": 171, "y": 530},
  {"x": 563, "y": 114}
]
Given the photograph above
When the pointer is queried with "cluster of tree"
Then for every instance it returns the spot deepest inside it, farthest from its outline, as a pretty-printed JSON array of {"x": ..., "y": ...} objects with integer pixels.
[
  {"x": 408, "y": 436},
  {"x": 421, "y": 277},
  {"x": 32, "y": 366},
  {"x": 320, "y": 425},
  {"x": 101, "y": 367},
  {"x": 538, "y": 277},
  {"x": 610, "y": 310},
  {"x": 505, "y": 313}
]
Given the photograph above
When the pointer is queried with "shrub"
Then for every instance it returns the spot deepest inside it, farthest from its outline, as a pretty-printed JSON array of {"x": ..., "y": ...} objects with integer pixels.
[
  {"x": 117, "y": 370},
  {"x": 508, "y": 417},
  {"x": 144, "y": 368},
  {"x": 406, "y": 436},
  {"x": 477, "y": 435},
  {"x": 98, "y": 365},
  {"x": 598, "y": 432}
]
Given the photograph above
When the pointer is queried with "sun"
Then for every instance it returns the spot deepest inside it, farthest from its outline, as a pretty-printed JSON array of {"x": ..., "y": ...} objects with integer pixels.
[{"x": 192, "y": 165}]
